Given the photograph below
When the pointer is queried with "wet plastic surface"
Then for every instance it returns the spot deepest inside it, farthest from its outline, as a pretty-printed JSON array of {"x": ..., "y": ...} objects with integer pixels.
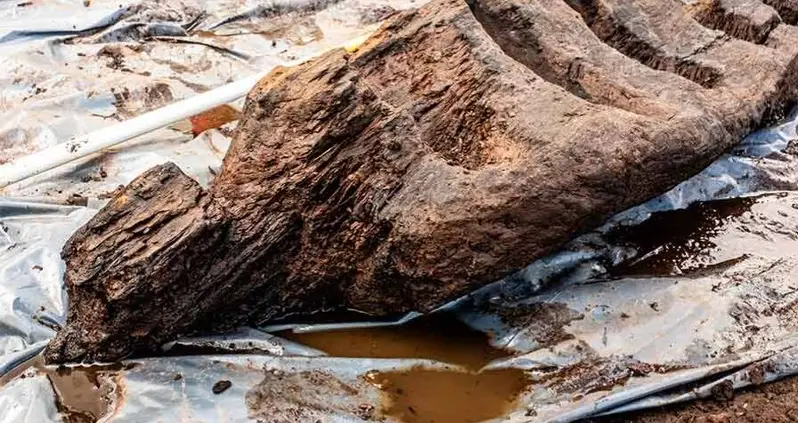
[{"x": 623, "y": 318}]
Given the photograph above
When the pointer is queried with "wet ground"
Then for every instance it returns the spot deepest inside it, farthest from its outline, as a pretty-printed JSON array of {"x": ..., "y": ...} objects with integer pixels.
[
  {"x": 683, "y": 242},
  {"x": 426, "y": 396},
  {"x": 457, "y": 394},
  {"x": 706, "y": 239},
  {"x": 85, "y": 394}
]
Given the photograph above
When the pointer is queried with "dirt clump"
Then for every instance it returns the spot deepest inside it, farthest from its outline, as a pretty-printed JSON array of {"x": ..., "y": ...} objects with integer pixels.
[
  {"x": 544, "y": 322},
  {"x": 116, "y": 54},
  {"x": 221, "y": 386},
  {"x": 306, "y": 396},
  {"x": 461, "y": 142}
]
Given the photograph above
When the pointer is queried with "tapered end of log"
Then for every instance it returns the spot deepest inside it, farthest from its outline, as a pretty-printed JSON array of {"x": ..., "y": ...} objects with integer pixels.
[{"x": 122, "y": 265}]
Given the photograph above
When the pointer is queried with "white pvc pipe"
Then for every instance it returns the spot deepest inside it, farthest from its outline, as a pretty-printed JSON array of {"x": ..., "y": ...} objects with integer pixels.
[{"x": 79, "y": 147}]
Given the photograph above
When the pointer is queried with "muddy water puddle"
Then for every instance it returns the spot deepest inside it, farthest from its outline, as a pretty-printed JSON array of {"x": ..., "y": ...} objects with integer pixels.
[
  {"x": 426, "y": 395},
  {"x": 436, "y": 337},
  {"x": 84, "y": 394},
  {"x": 422, "y": 395},
  {"x": 708, "y": 237}
]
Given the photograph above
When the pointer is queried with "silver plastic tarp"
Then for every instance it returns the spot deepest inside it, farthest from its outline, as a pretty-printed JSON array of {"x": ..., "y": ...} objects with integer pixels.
[{"x": 726, "y": 307}]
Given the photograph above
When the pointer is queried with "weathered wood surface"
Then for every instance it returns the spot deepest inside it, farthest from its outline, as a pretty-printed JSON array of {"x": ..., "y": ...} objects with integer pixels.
[{"x": 460, "y": 143}]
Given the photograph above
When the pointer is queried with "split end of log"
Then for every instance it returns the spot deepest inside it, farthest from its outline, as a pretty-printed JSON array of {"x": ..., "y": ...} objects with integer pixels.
[{"x": 122, "y": 265}]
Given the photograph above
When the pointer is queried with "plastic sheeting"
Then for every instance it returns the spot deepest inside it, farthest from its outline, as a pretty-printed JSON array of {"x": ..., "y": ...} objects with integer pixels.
[{"x": 712, "y": 305}]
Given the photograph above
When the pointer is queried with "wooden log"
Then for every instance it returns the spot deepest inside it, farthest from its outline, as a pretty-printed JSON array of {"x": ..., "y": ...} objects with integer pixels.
[{"x": 457, "y": 145}]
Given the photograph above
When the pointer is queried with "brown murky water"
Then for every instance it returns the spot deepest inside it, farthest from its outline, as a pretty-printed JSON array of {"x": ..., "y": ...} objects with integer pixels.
[
  {"x": 84, "y": 394},
  {"x": 438, "y": 337},
  {"x": 423, "y": 395}
]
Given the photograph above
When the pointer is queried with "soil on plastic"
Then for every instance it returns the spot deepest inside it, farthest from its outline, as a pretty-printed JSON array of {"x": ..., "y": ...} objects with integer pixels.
[
  {"x": 774, "y": 402},
  {"x": 544, "y": 322},
  {"x": 422, "y": 394},
  {"x": 304, "y": 396}
]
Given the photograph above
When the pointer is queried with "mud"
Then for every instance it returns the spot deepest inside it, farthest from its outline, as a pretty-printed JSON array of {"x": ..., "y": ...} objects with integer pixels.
[
  {"x": 775, "y": 402},
  {"x": 116, "y": 54},
  {"x": 545, "y": 322},
  {"x": 761, "y": 231},
  {"x": 441, "y": 337},
  {"x": 307, "y": 396},
  {"x": 600, "y": 374},
  {"x": 221, "y": 386},
  {"x": 84, "y": 395}
]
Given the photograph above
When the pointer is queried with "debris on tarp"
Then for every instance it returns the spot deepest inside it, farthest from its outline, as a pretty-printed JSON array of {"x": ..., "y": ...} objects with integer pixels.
[{"x": 213, "y": 119}]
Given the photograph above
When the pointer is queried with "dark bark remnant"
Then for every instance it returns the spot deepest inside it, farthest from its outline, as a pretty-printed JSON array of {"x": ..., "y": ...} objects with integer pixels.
[{"x": 460, "y": 143}]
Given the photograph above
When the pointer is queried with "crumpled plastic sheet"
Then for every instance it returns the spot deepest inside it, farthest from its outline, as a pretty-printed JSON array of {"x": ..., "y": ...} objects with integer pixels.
[{"x": 69, "y": 69}]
